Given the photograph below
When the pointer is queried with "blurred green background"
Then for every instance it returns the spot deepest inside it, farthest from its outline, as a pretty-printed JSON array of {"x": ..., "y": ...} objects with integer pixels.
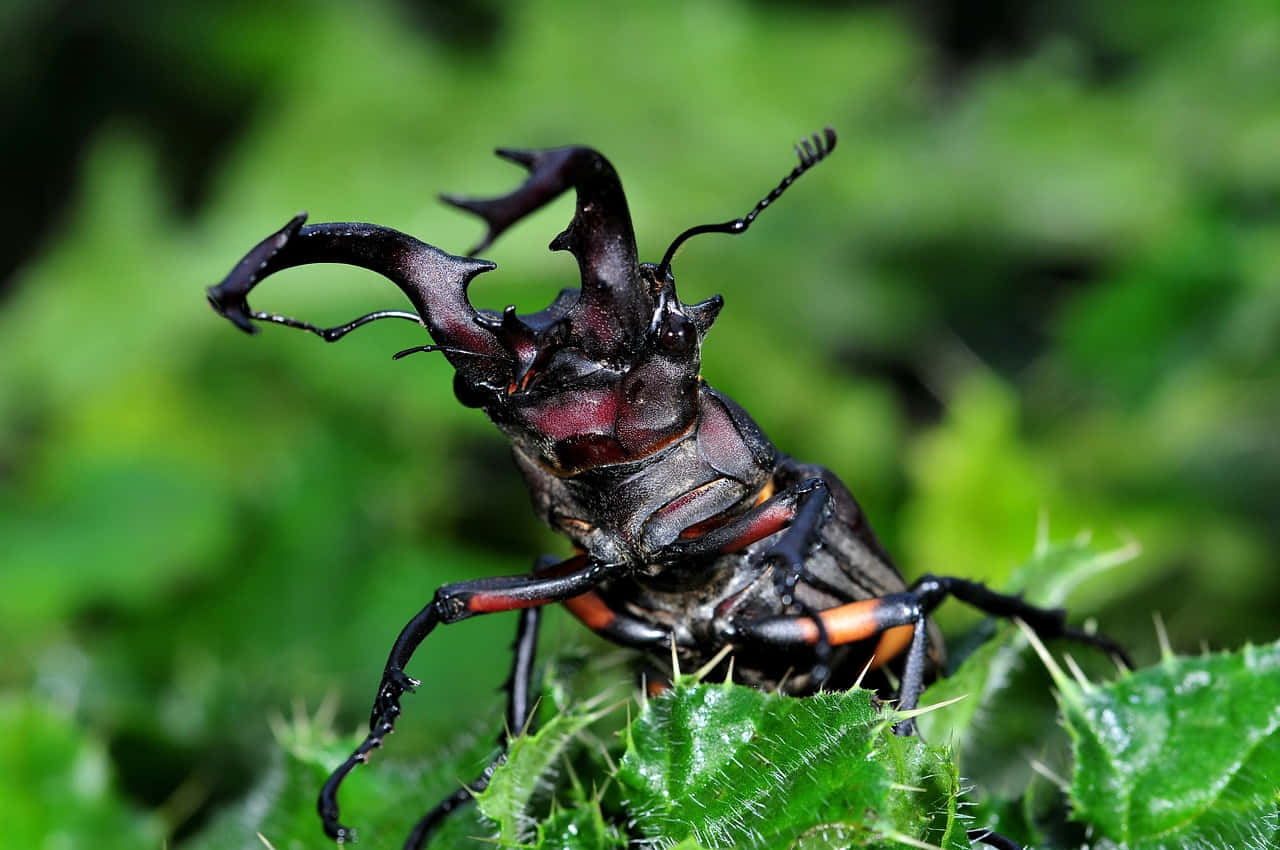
[{"x": 1039, "y": 280}]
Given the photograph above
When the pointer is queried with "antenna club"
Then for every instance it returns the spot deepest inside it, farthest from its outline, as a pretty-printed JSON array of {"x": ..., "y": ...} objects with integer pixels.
[{"x": 809, "y": 151}]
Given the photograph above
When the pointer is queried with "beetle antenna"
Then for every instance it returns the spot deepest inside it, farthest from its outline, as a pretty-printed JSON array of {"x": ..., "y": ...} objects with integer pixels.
[
  {"x": 445, "y": 349},
  {"x": 811, "y": 151}
]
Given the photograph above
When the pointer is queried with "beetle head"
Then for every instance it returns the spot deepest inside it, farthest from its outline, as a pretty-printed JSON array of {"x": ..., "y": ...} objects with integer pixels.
[
  {"x": 582, "y": 386},
  {"x": 607, "y": 373}
]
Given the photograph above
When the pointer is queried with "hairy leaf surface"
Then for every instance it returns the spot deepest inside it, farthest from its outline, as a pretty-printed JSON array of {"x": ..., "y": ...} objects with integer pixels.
[
  {"x": 734, "y": 767},
  {"x": 1185, "y": 754}
]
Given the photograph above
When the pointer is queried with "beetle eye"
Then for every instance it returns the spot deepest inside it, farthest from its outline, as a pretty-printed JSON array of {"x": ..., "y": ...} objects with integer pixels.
[{"x": 675, "y": 334}]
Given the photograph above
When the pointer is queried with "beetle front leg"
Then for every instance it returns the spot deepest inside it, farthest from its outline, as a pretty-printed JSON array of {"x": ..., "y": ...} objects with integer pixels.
[
  {"x": 519, "y": 711},
  {"x": 452, "y": 603},
  {"x": 800, "y": 509},
  {"x": 788, "y": 556}
]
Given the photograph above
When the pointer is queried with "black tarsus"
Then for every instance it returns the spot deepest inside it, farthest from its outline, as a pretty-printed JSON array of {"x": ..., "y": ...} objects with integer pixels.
[
  {"x": 810, "y": 151},
  {"x": 913, "y": 669}
]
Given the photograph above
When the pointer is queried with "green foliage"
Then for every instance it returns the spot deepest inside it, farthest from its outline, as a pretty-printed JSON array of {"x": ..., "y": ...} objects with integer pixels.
[
  {"x": 705, "y": 766},
  {"x": 1041, "y": 277},
  {"x": 57, "y": 784},
  {"x": 730, "y": 766},
  {"x": 530, "y": 758},
  {"x": 1182, "y": 754},
  {"x": 383, "y": 800}
]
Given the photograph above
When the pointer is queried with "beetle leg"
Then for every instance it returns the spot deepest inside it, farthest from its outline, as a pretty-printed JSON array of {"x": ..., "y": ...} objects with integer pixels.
[
  {"x": 890, "y": 617},
  {"x": 519, "y": 712},
  {"x": 893, "y": 615},
  {"x": 613, "y": 625},
  {"x": 593, "y": 612},
  {"x": 799, "y": 511},
  {"x": 1046, "y": 622},
  {"x": 799, "y": 505},
  {"x": 791, "y": 550},
  {"x": 452, "y": 603},
  {"x": 848, "y": 623},
  {"x": 788, "y": 556}
]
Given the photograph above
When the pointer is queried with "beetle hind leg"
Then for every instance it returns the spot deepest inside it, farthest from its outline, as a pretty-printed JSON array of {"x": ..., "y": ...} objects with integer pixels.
[
  {"x": 885, "y": 616},
  {"x": 1048, "y": 623}
]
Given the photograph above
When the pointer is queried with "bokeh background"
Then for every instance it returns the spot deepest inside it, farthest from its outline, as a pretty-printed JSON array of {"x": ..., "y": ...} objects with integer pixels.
[{"x": 1039, "y": 281}]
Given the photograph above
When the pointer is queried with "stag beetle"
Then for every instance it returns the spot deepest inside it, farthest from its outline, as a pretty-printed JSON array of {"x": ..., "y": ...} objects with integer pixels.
[{"x": 693, "y": 532}]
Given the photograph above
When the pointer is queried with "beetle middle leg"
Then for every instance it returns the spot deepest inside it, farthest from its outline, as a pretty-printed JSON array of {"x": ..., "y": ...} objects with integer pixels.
[{"x": 452, "y": 603}]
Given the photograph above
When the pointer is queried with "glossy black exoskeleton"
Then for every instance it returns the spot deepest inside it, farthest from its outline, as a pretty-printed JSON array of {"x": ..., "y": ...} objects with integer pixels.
[{"x": 692, "y": 528}]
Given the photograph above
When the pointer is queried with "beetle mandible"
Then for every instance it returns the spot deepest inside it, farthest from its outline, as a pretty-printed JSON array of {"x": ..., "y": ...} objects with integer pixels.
[{"x": 692, "y": 529}]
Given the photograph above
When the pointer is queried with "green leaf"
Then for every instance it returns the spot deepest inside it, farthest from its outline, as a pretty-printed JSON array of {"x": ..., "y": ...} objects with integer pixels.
[
  {"x": 381, "y": 800},
  {"x": 57, "y": 785},
  {"x": 1004, "y": 714},
  {"x": 1183, "y": 754},
  {"x": 530, "y": 761},
  {"x": 729, "y": 766},
  {"x": 581, "y": 828}
]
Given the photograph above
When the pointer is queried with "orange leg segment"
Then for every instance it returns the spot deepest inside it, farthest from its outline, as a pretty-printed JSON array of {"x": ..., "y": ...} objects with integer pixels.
[
  {"x": 594, "y": 612},
  {"x": 891, "y": 617},
  {"x": 859, "y": 621}
]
